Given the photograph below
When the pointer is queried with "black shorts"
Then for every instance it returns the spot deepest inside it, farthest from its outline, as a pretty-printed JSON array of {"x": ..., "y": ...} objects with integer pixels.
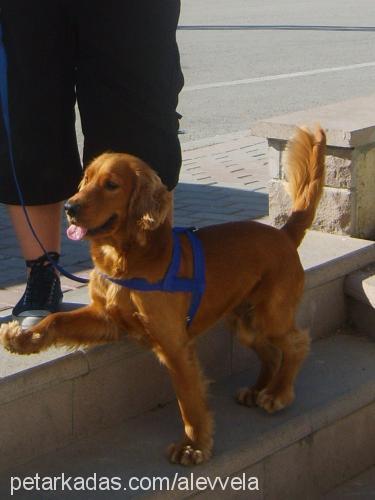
[{"x": 119, "y": 59}]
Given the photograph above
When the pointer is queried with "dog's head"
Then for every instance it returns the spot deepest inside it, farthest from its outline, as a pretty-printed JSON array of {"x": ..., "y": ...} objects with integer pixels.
[{"x": 119, "y": 195}]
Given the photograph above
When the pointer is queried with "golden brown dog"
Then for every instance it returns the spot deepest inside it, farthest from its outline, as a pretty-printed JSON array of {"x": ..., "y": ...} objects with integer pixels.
[{"x": 253, "y": 275}]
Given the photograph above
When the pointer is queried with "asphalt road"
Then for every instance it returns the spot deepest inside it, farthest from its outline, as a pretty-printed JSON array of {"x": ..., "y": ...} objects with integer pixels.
[{"x": 240, "y": 59}]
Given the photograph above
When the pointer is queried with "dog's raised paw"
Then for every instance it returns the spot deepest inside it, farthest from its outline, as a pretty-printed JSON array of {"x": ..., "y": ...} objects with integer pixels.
[
  {"x": 186, "y": 454},
  {"x": 19, "y": 341}
]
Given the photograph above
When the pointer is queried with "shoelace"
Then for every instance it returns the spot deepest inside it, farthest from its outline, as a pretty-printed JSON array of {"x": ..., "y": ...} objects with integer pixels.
[{"x": 41, "y": 283}]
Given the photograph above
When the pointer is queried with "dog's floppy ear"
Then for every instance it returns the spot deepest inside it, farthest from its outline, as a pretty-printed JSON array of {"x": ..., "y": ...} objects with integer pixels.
[
  {"x": 83, "y": 182},
  {"x": 150, "y": 203}
]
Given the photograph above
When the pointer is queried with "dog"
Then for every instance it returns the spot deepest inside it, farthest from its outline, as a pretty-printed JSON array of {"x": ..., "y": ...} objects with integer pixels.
[{"x": 253, "y": 276}]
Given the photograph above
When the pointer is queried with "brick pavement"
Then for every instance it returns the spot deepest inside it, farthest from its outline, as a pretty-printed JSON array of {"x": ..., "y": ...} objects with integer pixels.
[{"x": 222, "y": 179}]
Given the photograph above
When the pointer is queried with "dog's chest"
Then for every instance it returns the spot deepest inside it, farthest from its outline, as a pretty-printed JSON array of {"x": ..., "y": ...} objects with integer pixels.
[{"x": 123, "y": 309}]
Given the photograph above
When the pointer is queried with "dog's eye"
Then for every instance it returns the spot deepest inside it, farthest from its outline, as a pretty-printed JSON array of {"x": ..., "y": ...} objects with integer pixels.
[{"x": 111, "y": 186}]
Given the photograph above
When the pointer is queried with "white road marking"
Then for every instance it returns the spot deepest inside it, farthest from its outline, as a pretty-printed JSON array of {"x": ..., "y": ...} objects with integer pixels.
[{"x": 283, "y": 76}]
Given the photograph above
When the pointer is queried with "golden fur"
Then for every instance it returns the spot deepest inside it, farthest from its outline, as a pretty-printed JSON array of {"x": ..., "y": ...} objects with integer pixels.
[{"x": 253, "y": 274}]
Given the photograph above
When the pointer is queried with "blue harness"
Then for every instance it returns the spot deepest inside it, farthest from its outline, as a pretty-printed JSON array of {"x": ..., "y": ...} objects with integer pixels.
[{"x": 171, "y": 282}]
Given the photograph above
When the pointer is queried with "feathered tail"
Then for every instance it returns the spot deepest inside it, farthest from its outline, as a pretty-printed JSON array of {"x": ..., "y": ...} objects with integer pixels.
[{"x": 305, "y": 158}]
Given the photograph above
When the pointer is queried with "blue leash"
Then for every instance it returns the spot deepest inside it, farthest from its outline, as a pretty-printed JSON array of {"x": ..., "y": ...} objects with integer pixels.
[{"x": 170, "y": 282}]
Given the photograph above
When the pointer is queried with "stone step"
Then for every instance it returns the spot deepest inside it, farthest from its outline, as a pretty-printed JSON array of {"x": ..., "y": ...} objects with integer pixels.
[
  {"x": 361, "y": 487},
  {"x": 324, "y": 438},
  {"x": 359, "y": 287},
  {"x": 67, "y": 396}
]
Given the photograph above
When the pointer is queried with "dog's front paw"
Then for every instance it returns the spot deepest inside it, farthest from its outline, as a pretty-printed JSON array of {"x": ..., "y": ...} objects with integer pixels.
[
  {"x": 272, "y": 402},
  {"x": 19, "y": 341},
  {"x": 187, "y": 454}
]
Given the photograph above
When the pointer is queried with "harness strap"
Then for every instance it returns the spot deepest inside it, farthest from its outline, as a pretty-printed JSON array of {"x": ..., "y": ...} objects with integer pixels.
[{"x": 171, "y": 282}]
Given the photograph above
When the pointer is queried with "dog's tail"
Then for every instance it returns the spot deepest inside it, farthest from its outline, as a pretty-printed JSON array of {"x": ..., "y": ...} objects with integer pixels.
[{"x": 305, "y": 158}]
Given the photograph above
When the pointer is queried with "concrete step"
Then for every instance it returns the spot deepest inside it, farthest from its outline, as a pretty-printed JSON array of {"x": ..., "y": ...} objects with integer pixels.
[
  {"x": 70, "y": 395},
  {"x": 360, "y": 290},
  {"x": 324, "y": 438},
  {"x": 362, "y": 487}
]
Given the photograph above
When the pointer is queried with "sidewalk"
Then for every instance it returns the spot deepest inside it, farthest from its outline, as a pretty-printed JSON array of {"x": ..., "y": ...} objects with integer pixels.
[{"x": 223, "y": 178}]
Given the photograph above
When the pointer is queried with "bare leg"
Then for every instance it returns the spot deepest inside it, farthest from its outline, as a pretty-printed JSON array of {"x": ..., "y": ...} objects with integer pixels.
[{"x": 46, "y": 220}]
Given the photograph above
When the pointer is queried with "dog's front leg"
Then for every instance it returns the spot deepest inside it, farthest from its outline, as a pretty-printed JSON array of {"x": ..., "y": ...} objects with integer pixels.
[
  {"x": 190, "y": 387},
  {"x": 83, "y": 326}
]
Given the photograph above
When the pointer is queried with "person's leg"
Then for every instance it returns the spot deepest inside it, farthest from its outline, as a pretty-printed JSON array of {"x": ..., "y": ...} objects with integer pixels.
[
  {"x": 39, "y": 41},
  {"x": 45, "y": 220},
  {"x": 128, "y": 81}
]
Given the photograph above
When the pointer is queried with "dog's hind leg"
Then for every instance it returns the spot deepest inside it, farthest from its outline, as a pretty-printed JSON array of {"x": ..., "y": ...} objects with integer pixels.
[
  {"x": 270, "y": 358},
  {"x": 269, "y": 329},
  {"x": 279, "y": 392}
]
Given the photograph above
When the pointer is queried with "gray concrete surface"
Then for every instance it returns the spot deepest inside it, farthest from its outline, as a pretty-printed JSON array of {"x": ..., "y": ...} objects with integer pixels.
[
  {"x": 223, "y": 41},
  {"x": 324, "y": 437},
  {"x": 362, "y": 487},
  {"x": 349, "y": 124},
  {"x": 361, "y": 285}
]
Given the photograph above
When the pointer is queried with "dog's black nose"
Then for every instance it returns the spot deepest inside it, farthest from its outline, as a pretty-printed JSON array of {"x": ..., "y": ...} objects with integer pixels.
[{"x": 72, "y": 209}]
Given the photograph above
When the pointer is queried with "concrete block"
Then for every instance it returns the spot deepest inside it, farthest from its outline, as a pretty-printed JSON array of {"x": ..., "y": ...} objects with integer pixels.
[
  {"x": 39, "y": 376},
  {"x": 361, "y": 317},
  {"x": 280, "y": 204},
  {"x": 317, "y": 463},
  {"x": 334, "y": 214},
  {"x": 344, "y": 449},
  {"x": 322, "y": 310},
  {"x": 348, "y": 123},
  {"x": 107, "y": 354},
  {"x": 340, "y": 168},
  {"x": 361, "y": 486},
  {"x": 348, "y": 203},
  {"x": 275, "y": 149},
  {"x": 326, "y": 257},
  {"x": 326, "y": 436},
  {"x": 365, "y": 200},
  {"x": 114, "y": 392},
  {"x": 35, "y": 424},
  {"x": 116, "y": 387},
  {"x": 360, "y": 285},
  {"x": 287, "y": 471}
]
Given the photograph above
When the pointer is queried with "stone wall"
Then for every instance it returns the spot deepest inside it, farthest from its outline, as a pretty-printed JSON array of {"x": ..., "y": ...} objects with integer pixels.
[{"x": 347, "y": 205}]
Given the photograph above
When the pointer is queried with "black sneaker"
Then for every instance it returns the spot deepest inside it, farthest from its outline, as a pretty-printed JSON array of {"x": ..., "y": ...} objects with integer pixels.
[{"x": 43, "y": 293}]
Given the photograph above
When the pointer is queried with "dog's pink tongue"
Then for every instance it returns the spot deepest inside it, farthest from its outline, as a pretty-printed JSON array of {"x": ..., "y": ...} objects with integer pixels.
[{"x": 76, "y": 232}]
